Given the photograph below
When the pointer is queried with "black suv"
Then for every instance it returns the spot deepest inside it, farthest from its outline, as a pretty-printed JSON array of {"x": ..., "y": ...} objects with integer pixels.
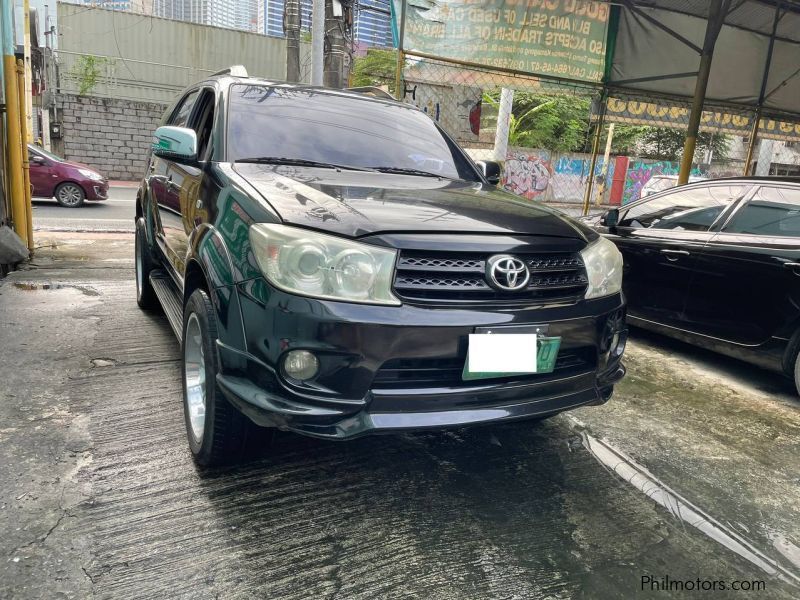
[{"x": 336, "y": 265}]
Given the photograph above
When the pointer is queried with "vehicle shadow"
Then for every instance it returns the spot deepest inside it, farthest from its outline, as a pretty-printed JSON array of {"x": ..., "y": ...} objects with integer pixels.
[{"x": 731, "y": 369}]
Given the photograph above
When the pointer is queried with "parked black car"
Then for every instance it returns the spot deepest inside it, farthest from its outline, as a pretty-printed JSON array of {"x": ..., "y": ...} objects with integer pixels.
[
  {"x": 717, "y": 263},
  {"x": 336, "y": 265}
]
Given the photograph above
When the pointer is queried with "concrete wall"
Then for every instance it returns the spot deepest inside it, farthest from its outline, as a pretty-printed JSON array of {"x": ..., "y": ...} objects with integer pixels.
[
  {"x": 150, "y": 59},
  {"x": 111, "y": 135}
]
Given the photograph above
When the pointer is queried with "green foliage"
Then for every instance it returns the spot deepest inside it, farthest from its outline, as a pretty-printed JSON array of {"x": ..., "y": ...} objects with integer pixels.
[
  {"x": 561, "y": 124},
  {"x": 377, "y": 67},
  {"x": 667, "y": 144},
  {"x": 626, "y": 139},
  {"x": 87, "y": 70},
  {"x": 557, "y": 123}
]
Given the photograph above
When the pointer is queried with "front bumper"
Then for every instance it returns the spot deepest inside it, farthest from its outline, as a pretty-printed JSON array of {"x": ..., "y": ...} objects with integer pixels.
[
  {"x": 352, "y": 395},
  {"x": 96, "y": 190}
]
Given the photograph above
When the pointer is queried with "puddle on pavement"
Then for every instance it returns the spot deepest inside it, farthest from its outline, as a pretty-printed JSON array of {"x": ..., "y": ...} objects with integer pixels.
[
  {"x": 639, "y": 477},
  {"x": 34, "y": 287}
]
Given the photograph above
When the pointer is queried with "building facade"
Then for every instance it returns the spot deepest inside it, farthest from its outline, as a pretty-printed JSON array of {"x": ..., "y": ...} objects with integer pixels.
[
  {"x": 372, "y": 26},
  {"x": 144, "y": 7},
  {"x": 232, "y": 14}
]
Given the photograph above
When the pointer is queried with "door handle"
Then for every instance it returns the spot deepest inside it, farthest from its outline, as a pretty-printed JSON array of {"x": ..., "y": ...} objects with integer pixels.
[{"x": 673, "y": 255}]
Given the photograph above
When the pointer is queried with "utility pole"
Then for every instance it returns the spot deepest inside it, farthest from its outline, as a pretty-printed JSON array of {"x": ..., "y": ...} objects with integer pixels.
[
  {"x": 47, "y": 93},
  {"x": 317, "y": 42},
  {"x": 503, "y": 124},
  {"x": 26, "y": 45},
  {"x": 338, "y": 32},
  {"x": 292, "y": 21}
]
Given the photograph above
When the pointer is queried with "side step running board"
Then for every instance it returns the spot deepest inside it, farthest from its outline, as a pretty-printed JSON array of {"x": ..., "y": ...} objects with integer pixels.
[{"x": 170, "y": 298}]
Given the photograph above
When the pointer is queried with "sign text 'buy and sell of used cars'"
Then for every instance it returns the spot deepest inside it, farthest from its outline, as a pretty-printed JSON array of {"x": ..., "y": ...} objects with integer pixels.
[{"x": 564, "y": 38}]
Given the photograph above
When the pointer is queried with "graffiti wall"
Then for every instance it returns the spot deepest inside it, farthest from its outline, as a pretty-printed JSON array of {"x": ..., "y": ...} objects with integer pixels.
[
  {"x": 548, "y": 177},
  {"x": 641, "y": 170},
  {"x": 541, "y": 175}
]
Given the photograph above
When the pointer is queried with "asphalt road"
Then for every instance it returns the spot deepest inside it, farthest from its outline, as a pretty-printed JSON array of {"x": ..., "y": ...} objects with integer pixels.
[
  {"x": 690, "y": 473},
  {"x": 114, "y": 214}
]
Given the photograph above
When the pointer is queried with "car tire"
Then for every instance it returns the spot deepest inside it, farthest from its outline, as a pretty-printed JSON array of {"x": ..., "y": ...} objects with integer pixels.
[
  {"x": 145, "y": 264},
  {"x": 217, "y": 432},
  {"x": 797, "y": 372},
  {"x": 70, "y": 195}
]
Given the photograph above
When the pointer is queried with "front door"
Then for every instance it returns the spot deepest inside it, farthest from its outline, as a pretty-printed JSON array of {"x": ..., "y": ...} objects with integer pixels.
[
  {"x": 660, "y": 239},
  {"x": 747, "y": 287},
  {"x": 43, "y": 176},
  {"x": 182, "y": 200},
  {"x": 169, "y": 222}
]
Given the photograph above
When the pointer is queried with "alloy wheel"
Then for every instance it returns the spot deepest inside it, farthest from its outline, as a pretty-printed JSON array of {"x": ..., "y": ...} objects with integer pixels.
[
  {"x": 70, "y": 195},
  {"x": 195, "y": 376}
]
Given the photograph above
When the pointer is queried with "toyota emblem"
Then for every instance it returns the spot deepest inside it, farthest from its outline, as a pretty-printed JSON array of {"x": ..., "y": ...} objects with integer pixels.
[{"x": 507, "y": 273}]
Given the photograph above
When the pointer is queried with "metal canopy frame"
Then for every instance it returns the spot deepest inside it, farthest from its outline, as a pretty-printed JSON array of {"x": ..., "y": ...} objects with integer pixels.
[
  {"x": 760, "y": 17},
  {"x": 777, "y": 9}
]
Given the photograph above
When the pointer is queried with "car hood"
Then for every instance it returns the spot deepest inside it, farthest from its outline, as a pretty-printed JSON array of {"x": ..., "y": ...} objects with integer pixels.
[{"x": 359, "y": 203}]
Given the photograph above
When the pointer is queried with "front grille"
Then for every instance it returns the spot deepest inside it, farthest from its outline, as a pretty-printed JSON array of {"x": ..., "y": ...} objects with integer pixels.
[
  {"x": 458, "y": 278},
  {"x": 418, "y": 373}
]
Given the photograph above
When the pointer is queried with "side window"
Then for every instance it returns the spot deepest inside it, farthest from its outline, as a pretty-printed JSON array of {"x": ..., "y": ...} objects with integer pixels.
[
  {"x": 203, "y": 122},
  {"x": 180, "y": 117},
  {"x": 772, "y": 211},
  {"x": 693, "y": 209}
]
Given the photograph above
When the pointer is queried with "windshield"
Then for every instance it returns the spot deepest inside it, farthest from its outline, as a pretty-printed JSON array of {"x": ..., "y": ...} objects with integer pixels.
[
  {"x": 45, "y": 153},
  {"x": 290, "y": 124}
]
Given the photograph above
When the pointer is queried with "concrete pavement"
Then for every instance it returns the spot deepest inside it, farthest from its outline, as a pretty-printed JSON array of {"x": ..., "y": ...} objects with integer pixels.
[{"x": 690, "y": 472}]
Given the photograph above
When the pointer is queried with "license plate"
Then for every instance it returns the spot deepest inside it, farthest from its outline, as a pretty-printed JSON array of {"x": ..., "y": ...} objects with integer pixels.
[{"x": 501, "y": 355}]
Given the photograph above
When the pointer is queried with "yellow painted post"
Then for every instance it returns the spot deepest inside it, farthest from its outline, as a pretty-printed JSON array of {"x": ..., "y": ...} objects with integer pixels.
[
  {"x": 587, "y": 196},
  {"x": 14, "y": 137},
  {"x": 752, "y": 143},
  {"x": 716, "y": 16},
  {"x": 25, "y": 135}
]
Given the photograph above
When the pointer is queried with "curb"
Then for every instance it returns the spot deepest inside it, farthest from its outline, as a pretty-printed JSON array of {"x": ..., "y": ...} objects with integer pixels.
[{"x": 123, "y": 184}]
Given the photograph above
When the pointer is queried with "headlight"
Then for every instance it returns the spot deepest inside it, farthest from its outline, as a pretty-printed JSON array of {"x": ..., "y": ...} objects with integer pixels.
[
  {"x": 94, "y": 176},
  {"x": 603, "y": 267},
  {"x": 323, "y": 266}
]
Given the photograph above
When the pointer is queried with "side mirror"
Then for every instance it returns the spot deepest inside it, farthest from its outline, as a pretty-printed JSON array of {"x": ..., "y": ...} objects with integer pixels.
[
  {"x": 175, "y": 143},
  {"x": 610, "y": 219},
  {"x": 39, "y": 160},
  {"x": 491, "y": 170}
]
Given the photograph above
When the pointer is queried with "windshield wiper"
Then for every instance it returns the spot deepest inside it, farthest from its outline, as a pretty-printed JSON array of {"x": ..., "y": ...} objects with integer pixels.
[
  {"x": 405, "y": 171},
  {"x": 299, "y": 162}
]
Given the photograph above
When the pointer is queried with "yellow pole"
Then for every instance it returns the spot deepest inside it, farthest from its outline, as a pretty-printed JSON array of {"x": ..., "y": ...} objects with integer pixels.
[
  {"x": 752, "y": 144},
  {"x": 14, "y": 136},
  {"x": 587, "y": 196},
  {"x": 25, "y": 135}
]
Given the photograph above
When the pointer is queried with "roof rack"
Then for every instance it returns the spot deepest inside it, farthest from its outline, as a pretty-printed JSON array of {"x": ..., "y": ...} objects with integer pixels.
[
  {"x": 233, "y": 70},
  {"x": 371, "y": 90}
]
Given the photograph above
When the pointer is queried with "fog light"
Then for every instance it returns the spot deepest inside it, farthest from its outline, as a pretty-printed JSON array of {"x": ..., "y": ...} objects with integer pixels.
[{"x": 300, "y": 364}]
